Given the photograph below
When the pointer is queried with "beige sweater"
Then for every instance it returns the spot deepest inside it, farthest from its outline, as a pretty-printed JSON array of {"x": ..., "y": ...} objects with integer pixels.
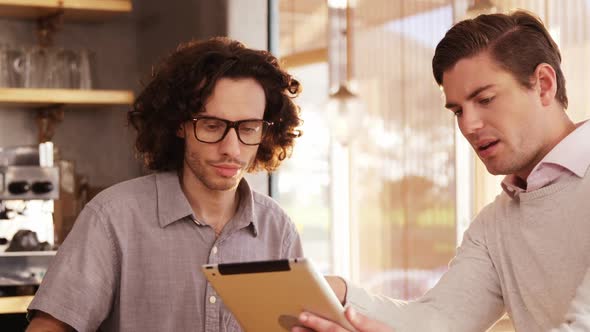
[
  {"x": 525, "y": 255},
  {"x": 578, "y": 317}
]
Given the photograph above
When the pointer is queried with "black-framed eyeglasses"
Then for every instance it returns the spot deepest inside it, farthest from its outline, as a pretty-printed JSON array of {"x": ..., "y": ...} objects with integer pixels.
[{"x": 209, "y": 129}]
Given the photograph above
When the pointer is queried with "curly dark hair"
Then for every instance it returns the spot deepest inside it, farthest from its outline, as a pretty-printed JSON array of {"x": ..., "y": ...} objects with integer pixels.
[{"x": 180, "y": 85}]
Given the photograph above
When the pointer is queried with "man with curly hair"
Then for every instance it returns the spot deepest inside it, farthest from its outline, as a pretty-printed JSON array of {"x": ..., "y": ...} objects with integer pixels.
[{"x": 212, "y": 111}]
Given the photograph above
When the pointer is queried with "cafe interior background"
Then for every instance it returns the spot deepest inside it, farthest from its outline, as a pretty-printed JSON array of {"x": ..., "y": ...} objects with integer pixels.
[{"x": 381, "y": 185}]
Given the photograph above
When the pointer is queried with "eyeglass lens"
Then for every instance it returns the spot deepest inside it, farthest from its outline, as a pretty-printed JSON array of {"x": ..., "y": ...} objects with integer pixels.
[{"x": 212, "y": 130}]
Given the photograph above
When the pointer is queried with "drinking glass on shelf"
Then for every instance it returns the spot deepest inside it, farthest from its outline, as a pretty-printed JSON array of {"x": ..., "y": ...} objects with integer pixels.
[
  {"x": 11, "y": 66},
  {"x": 85, "y": 70},
  {"x": 73, "y": 68},
  {"x": 16, "y": 66},
  {"x": 4, "y": 67},
  {"x": 37, "y": 64},
  {"x": 64, "y": 72}
]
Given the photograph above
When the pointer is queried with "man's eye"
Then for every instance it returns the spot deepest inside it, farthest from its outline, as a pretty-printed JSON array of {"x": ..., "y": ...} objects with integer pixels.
[
  {"x": 249, "y": 130},
  {"x": 212, "y": 126},
  {"x": 458, "y": 112},
  {"x": 486, "y": 101}
]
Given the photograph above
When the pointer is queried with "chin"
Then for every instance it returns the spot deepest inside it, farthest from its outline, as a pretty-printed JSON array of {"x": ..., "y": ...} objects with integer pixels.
[
  {"x": 501, "y": 170},
  {"x": 496, "y": 169},
  {"x": 223, "y": 185}
]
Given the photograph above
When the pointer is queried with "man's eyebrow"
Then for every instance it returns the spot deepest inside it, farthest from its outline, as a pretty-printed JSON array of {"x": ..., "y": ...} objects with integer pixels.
[{"x": 471, "y": 95}]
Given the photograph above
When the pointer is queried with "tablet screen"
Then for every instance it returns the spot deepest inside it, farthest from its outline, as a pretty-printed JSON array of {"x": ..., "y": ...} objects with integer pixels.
[{"x": 269, "y": 295}]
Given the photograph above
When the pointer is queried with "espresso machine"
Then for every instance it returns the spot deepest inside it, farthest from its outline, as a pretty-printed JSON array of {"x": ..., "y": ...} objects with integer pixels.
[{"x": 29, "y": 184}]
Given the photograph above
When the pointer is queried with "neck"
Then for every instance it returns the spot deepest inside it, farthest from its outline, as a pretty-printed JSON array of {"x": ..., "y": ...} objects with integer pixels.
[
  {"x": 557, "y": 129},
  {"x": 213, "y": 207}
]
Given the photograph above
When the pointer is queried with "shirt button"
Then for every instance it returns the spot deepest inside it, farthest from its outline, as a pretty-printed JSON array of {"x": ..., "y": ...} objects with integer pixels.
[
  {"x": 212, "y": 299},
  {"x": 214, "y": 250}
]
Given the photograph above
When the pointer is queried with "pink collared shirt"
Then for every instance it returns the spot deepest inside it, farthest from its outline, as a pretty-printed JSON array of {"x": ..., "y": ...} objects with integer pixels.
[{"x": 570, "y": 156}]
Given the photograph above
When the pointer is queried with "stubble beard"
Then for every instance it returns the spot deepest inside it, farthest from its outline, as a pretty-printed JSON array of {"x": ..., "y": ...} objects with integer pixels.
[{"x": 513, "y": 163}]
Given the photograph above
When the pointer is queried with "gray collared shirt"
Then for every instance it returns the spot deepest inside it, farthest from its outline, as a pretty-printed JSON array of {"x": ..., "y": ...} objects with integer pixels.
[{"x": 133, "y": 260}]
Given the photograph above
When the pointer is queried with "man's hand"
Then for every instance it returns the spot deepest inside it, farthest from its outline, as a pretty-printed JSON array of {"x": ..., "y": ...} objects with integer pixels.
[
  {"x": 338, "y": 286},
  {"x": 360, "y": 322}
]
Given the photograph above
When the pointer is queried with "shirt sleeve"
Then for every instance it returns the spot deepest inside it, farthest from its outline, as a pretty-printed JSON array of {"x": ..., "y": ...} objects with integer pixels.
[
  {"x": 577, "y": 318},
  {"x": 467, "y": 298},
  {"x": 79, "y": 286}
]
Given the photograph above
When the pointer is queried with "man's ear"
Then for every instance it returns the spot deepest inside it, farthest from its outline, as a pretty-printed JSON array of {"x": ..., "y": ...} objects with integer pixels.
[
  {"x": 546, "y": 83},
  {"x": 180, "y": 132}
]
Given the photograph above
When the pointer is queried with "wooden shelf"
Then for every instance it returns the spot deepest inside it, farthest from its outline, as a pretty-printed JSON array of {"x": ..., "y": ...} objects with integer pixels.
[
  {"x": 40, "y": 98},
  {"x": 27, "y": 253},
  {"x": 15, "y": 304},
  {"x": 74, "y": 10}
]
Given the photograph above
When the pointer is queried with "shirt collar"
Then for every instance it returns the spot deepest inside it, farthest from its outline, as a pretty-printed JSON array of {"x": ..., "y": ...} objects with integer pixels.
[
  {"x": 245, "y": 215},
  {"x": 572, "y": 154},
  {"x": 173, "y": 205},
  {"x": 510, "y": 185}
]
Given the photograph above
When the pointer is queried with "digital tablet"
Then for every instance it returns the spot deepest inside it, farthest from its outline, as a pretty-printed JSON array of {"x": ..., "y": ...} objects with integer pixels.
[{"x": 270, "y": 295}]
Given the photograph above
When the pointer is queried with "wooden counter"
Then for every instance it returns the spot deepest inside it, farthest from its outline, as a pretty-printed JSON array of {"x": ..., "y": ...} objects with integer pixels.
[{"x": 14, "y": 304}]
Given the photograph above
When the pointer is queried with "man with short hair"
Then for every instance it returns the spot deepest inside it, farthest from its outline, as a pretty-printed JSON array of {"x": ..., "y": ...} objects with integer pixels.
[
  {"x": 212, "y": 111},
  {"x": 525, "y": 253}
]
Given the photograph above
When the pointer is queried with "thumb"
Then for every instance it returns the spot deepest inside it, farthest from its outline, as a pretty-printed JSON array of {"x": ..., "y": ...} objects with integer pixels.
[{"x": 364, "y": 324}]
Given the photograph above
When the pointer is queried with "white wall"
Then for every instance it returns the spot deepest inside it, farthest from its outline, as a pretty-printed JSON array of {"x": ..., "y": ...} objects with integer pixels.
[{"x": 247, "y": 22}]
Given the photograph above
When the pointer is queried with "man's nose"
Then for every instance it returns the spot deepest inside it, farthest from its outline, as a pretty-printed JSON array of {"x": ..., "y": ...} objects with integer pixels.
[
  {"x": 470, "y": 121},
  {"x": 230, "y": 144}
]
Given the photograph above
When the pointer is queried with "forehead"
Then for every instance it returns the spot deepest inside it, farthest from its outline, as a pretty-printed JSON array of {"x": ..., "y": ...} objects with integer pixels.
[
  {"x": 471, "y": 73},
  {"x": 236, "y": 99}
]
